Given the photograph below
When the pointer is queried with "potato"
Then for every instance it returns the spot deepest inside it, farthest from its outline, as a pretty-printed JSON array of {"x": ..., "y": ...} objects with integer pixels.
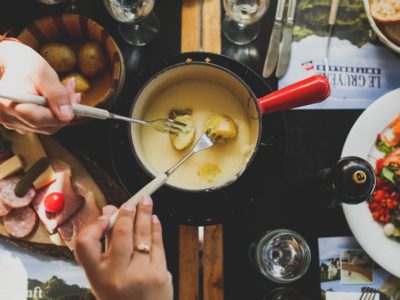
[
  {"x": 222, "y": 128},
  {"x": 183, "y": 139},
  {"x": 91, "y": 59},
  {"x": 61, "y": 57},
  {"x": 208, "y": 172},
  {"x": 81, "y": 83}
]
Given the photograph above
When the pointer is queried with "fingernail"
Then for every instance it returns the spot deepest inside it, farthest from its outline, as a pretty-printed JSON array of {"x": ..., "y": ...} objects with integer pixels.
[
  {"x": 128, "y": 206},
  {"x": 76, "y": 98},
  {"x": 66, "y": 112},
  {"x": 104, "y": 218},
  {"x": 146, "y": 200},
  {"x": 72, "y": 84},
  {"x": 155, "y": 219}
]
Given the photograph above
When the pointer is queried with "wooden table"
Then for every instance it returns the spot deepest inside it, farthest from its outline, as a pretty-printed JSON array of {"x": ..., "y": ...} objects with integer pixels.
[
  {"x": 314, "y": 141},
  {"x": 201, "y": 30}
]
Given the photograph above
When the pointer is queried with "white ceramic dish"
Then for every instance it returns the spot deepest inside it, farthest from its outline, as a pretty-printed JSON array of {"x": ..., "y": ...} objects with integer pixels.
[
  {"x": 378, "y": 32},
  {"x": 361, "y": 142}
]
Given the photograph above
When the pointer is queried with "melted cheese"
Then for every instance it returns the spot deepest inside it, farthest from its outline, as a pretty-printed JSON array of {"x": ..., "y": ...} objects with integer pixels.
[{"x": 206, "y": 99}]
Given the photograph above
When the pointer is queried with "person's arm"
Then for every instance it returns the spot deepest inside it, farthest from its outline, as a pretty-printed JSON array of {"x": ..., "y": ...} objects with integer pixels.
[
  {"x": 133, "y": 265},
  {"x": 23, "y": 69}
]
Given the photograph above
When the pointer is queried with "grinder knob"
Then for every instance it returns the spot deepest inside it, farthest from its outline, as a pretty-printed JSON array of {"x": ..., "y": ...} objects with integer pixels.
[{"x": 351, "y": 180}]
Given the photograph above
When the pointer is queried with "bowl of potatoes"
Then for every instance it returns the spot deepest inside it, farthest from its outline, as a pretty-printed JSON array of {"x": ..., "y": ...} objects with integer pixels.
[{"x": 76, "y": 46}]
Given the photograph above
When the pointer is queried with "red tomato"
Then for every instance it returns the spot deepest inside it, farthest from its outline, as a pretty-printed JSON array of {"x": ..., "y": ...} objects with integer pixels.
[
  {"x": 379, "y": 166},
  {"x": 379, "y": 195},
  {"x": 54, "y": 202}
]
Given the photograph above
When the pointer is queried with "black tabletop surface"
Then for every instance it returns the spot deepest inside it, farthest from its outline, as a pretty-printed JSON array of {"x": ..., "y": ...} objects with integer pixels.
[{"x": 314, "y": 140}]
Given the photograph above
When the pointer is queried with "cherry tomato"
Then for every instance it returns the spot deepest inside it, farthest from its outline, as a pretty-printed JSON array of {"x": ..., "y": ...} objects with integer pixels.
[{"x": 54, "y": 202}]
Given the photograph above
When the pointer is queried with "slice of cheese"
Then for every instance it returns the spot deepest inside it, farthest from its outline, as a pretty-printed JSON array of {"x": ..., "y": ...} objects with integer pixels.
[
  {"x": 10, "y": 166},
  {"x": 44, "y": 179},
  {"x": 29, "y": 147},
  {"x": 57, "y": 239}
]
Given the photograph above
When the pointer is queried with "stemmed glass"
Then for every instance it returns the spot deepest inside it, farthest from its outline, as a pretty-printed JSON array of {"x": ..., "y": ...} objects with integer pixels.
[
  {"x": 281, "y": 255},
  {"x": 284, "y": 293},
  {"x": 241, "y": 23},
  {"x": 51, "y": 2},
  {"x": 72, "y": 5},
  {"x": 138, "y": 25}
]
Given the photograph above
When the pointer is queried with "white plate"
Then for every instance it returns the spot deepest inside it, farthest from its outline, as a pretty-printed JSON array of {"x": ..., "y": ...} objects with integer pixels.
[
  {"x": 360, "y": 142},
  {"x": 378, "y": 32}
]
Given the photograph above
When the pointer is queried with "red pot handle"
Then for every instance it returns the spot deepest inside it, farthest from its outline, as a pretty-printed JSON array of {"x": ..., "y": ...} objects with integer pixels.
[{"x": 308, "y": 91}]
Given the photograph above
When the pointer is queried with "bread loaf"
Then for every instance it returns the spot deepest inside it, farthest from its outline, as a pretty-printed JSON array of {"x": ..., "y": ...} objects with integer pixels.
[{"x": 385, "y": 11}]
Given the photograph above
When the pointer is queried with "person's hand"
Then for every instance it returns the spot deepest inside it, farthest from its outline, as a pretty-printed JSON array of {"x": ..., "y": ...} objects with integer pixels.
[
  {"x": 122, "y": 272},
  {"x": 25, "y": 71}
]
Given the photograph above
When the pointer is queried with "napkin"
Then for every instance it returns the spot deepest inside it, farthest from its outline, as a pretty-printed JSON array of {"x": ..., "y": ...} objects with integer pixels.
[{"x": 346, "y": 296}]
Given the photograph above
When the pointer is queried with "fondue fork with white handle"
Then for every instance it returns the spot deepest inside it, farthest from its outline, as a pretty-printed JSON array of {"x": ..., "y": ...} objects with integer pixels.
[
  {"x": 163, "y": 124},
  {"x": 205, "y": 141}
]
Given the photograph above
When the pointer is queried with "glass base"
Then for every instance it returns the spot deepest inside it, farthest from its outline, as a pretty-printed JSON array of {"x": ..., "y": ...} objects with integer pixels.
[
  {"x": 140, "y": 34},
  {"x": 240, "y": 34},
  {"x": 282, "y": 293},
  {"x": 80, "y": 7}
]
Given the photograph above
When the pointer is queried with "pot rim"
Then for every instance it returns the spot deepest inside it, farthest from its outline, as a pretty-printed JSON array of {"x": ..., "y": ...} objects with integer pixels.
[{"x": 209, "y": 64}]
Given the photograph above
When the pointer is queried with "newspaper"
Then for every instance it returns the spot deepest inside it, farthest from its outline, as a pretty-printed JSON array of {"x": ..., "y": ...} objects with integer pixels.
[
  {"x": 361, "y": 69},
  {"x": 346, "y": 268},
  {"x": 25, "y": 275}
]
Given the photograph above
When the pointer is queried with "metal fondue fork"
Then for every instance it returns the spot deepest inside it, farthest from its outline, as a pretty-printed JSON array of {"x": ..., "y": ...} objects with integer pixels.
[
  {"x": 205, "y": 141},
  {"x": 163, "y": 124}
]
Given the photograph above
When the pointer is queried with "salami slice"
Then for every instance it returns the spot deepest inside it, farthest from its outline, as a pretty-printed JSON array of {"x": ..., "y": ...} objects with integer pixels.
[
  {"x": 20, "y": 222},
  {"x": 7, "y": 195},
  {"x": 4, "y": 209}
]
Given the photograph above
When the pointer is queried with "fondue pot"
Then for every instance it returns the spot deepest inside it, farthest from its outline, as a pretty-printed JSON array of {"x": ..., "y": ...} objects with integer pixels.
[
  {"x": 220, "y": 70},
  {"x": 311, "y": 90}
]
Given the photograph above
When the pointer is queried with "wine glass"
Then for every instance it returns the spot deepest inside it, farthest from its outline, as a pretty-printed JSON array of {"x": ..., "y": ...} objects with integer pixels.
[
  {"x": 241, "y": 23},
  {"x": 73, "y": 6},
  {"x": 284, "y": 293},
  {"x": 138, "y": 25},
  {"x": 51, "y": 2},
  {"x": 281, "y": 255}
]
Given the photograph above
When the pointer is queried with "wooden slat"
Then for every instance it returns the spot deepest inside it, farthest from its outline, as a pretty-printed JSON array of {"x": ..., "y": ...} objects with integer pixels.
[
  {"x": 191, "y": 22},
  {"x": 201, "y": 33},
  {"x": 211, "y": 26},
  {"x": 189, "y": 236},
  {"x": 213, "y": 276},
  {"x": 188, "y": 263}
]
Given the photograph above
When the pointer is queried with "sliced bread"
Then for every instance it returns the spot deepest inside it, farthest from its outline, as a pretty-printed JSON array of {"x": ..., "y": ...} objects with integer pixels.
[{"x": 385, "y": 11}]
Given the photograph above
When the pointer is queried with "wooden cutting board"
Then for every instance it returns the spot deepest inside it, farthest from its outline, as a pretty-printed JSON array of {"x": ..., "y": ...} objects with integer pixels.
[{"x": 40, "y": 239}]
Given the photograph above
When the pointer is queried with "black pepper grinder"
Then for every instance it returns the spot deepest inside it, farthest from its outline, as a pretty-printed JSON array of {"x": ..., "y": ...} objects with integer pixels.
[{"x": 351, "y": 180}]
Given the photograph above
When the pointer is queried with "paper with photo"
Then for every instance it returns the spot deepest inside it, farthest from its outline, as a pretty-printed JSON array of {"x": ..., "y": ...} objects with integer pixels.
[
  {"x": 356, "y": 267},
  {"x": 364, "y": 273},
  {"x": 25, "y": 275},
  {"x": 360, "y": 68}
]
